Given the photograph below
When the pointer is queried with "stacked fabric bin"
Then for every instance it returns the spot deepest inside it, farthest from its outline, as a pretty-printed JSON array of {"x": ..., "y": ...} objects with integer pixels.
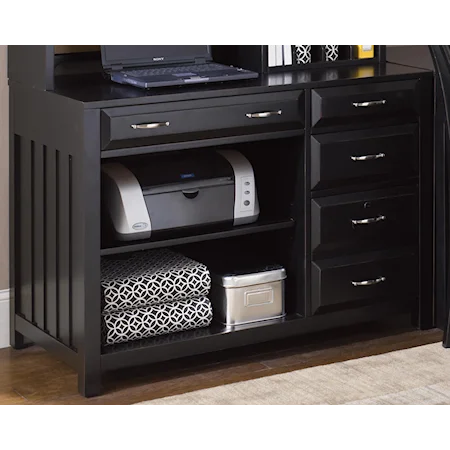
[{"x": 153, "y": 293}]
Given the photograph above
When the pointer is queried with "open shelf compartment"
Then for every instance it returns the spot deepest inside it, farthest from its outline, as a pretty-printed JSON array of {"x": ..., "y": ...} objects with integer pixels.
[{"x": 276, "y": 177}]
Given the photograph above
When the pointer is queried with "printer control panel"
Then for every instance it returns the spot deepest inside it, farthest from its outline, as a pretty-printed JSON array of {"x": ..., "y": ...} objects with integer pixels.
[
  {"x": 247, "y": 193},
  {"x": 246, "y": 205}
]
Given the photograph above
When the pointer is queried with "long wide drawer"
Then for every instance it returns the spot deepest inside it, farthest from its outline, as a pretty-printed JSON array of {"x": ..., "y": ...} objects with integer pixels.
[
  {"x": 339, "y": 159},
  {"x": 368, "y": 102},
  {"x": 353, "y": 282},
  {"x": 200, "y": 119},
  {"x": 364, "y": 221}
]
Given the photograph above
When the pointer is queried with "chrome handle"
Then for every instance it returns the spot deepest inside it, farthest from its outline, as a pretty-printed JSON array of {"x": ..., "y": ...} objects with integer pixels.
[
  {"x": 369, "y": 221},
  {"x": 369, "y": 282},
  {"x": 264, "y": 115},
  {"x": 369, "y": 104},
  {"x": 368, "y": 157},
  {"x": 150, "y": 126}
]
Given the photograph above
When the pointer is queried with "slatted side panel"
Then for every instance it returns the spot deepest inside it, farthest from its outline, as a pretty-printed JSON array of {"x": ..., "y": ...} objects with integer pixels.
[
  {"x": 64, "y": 249},
  {"x": 39, "y": 236},
  {"x": 26, "y": 228},
  {"x": 51, "y": 241},
  {"x": 45, "y": 246}
]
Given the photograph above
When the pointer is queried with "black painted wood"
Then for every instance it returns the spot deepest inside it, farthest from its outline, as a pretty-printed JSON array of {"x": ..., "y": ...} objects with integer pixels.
[
  {"x": 207, "y": 140},
  {"x": 26, "y": 160},
  {"x": 374, "y": 277},
  {"x": 441, "y": 208},
  {"x": 216, "y": 338},
  {"x": 192, "y": 121},
  {"x": 255, "y": 57},
  {"x": 16, "y": 339},
  {"x": 394, "y": 152},
  {"x": 86, "y": 253},
  {"x": 427, "y": 309},
  {"x": 96, "y": 92},
  {"x": 51, "y": 241},
  {"x": 39, "y": 237},
  {"x": 46, "y": 341},
  {"x": 229, "y": 232},
  {"x": 359, "y": 104},
  {"x": 68, "y": 123},
  {"x": 31, "y": 65},
  {"x": 64, "y": 247},
  {"x": 364, "y": 221}
]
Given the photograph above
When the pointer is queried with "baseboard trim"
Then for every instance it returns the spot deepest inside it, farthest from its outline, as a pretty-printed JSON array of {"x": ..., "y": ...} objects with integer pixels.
[{"x": 4, "y": 318}]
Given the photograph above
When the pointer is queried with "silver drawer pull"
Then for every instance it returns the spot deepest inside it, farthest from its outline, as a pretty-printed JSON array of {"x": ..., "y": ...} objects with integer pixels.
[
  {"x": 369, "y": 104},
  {"x": 368, "y": 157},
  {"x": 369, "y": 282},
  {"x": 150, "y": 126},
  {"x": 369, "y": 221},
  {"x": 264, "y": 115}
]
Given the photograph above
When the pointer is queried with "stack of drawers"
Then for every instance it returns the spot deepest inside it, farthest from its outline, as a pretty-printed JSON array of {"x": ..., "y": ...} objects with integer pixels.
[{"x": 364, "y": 177}]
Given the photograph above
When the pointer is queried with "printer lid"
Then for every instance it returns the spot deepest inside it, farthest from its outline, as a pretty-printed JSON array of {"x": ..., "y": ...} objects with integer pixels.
[
  {"x": 180, "y": 169},
  {"x": 125, "y": 56}
]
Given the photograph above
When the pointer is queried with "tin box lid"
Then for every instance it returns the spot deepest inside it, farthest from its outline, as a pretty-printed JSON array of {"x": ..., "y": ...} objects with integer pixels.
[{"x": 267, "y": 274}]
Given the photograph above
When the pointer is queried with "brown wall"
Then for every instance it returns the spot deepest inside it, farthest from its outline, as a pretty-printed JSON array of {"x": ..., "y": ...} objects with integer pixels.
[
  {"x": 410, "y": 55},
  {"x": 3, "y": 170}
]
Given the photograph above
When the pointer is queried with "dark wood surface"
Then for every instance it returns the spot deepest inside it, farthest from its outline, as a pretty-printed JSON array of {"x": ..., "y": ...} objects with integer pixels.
[
  {"x": 25, "y": 375},
  {"x": 97, "y": 92}
]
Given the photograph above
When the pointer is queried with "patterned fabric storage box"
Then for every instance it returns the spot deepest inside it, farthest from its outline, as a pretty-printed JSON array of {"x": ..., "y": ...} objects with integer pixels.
[
  {"x": 150, "y": 278},
  {"x": 303, "y": 54},
  {"x": 159, "y": 319}
]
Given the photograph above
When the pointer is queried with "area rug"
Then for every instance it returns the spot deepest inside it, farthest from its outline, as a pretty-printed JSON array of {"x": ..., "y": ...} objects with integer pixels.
[{"x": 414, "y": 376}]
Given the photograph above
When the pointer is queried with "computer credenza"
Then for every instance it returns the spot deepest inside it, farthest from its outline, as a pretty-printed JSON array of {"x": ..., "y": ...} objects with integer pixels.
[{"x": 344, "y": 175}]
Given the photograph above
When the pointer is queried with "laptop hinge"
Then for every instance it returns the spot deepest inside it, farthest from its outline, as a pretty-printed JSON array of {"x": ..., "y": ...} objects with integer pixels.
[
  {"x": 116, "y": 67},
  {"x": 200, "y": 60}
]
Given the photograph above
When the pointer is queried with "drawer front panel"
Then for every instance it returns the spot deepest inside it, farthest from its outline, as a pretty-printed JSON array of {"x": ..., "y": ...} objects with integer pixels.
[
  {"x": 340, "y": 159},
  {"x": 364, "y": 221},
  {"x": 363, "y": 281},
  {"x": 370, "y": 102},
  {"x": 152, "y": 125}
]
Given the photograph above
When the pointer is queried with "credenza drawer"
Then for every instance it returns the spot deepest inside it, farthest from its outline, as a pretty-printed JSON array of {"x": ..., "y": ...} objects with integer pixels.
[
  {"x": 364, "y": 221},
  {"x": 356, "y": 281},
  {"x": 369, "y": 102},
  {"x": 364, "y": 156},
  {"x": 184, "y": 121}
]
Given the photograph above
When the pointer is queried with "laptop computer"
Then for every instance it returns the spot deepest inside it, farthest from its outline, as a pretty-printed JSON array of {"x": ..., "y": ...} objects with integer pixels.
[{"x": 149, "y": 66}]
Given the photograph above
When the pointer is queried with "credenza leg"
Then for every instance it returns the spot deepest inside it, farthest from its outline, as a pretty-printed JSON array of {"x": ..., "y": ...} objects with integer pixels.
[
  {"x": 90, "y": 385},
  {"x": 18, "y": 341}
]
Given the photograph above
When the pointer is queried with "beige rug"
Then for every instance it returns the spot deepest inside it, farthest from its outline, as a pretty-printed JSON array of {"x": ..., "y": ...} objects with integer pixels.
[{"x": 415, "y": 376}]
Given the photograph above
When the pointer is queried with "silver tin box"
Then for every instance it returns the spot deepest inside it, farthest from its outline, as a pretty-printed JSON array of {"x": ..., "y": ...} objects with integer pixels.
[{"x": 248, "y": 297}]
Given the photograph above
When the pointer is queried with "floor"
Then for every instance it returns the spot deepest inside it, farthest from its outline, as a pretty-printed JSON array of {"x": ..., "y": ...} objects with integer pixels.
[{"x": 32, "y": 376}]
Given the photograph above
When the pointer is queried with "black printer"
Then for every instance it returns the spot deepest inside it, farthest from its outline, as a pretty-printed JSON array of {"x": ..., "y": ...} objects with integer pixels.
[{"x": 179, "y": 190}]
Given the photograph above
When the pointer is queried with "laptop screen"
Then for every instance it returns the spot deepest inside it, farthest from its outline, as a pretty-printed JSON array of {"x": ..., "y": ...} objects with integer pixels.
[{"x": 145, "y": 55}]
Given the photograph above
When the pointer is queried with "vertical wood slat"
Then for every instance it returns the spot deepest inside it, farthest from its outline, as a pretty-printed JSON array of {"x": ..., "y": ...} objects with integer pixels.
[
  {"x": 16, "y": 339},
  {"x": 64, "y": 247},
  {"x": 39, "y": 236},
  {"x": 26, "y": 231},
  {"x": 51, "y": 238}
]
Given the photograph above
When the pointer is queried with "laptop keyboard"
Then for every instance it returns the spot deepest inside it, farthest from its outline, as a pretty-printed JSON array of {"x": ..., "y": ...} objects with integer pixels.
[{"x": 174, "y": 70}]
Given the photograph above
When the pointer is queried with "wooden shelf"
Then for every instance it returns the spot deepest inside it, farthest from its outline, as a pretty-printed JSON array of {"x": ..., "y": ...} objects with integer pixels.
[
  {"x": 219, "y": 337},
  {"x": 209, "y": 140},
  {"x": 258, "y": 227}
]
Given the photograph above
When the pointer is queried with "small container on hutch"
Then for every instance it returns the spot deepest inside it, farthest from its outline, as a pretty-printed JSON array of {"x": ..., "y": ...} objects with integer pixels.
[
  {"x": 364, "y": 51},
  {"x": 245, "y": 297}
]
